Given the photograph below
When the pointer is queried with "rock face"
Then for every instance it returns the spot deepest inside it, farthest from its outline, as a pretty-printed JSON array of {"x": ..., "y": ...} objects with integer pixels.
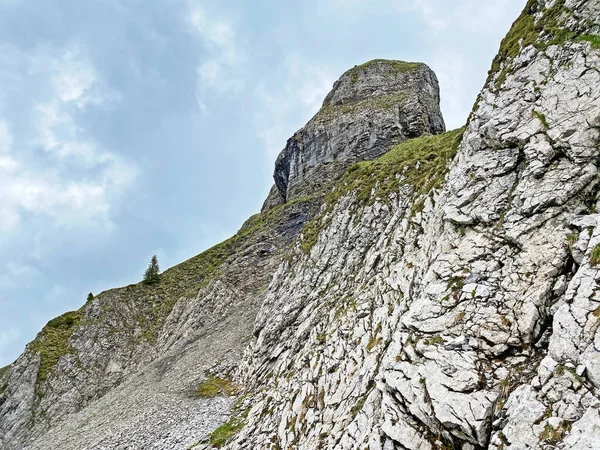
[
  {"x": 441, "y": 296},
  {"x": 125, "y": 367},
  {"x": 371, "y": 107}
]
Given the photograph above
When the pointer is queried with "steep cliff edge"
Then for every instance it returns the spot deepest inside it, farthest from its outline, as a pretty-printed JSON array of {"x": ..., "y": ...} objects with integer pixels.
[
  {"x": 463, "y": 314},
  {"x": 125, "y": 368},
  {"x": 370, "y": 108},
  {"x": 440, "y": 293}
]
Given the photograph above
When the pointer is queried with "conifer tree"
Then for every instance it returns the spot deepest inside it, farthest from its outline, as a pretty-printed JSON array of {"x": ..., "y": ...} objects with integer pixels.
[
  {"x": 90, "y": 297},
  {"x": 151, "y": 276}
]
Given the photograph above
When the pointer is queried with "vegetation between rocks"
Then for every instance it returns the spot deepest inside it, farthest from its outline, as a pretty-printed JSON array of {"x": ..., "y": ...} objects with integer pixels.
[
  {"x": 380, "y": 102},
  {"x": 420, "y": 163},
  {"x": 215, "y": 386},
  {"x": 390, "y": 67},
  {"x": 591, "y": 38},
  {"x": 553, "y": 435},
  {"x": 595, "y": 256},
  {"x": 223, "y": 434},
  {"x": 541, "y": 117},
  {"x": 53, "y": 342},
  {"x": 547, "y": 30}
]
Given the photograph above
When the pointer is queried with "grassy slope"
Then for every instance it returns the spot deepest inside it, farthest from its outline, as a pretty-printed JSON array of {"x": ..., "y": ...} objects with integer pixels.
[
  {"x": 549, "y": 29},
  {"x": 420, "y": 163},
  {"x": 156, "y": 301}
]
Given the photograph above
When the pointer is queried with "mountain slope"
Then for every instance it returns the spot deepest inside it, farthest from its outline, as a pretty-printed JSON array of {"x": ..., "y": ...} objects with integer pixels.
[
  {"x": 123, "y": 370},
  {"x": 466, "y": 316},
  {"x": 442, "y": 294}
]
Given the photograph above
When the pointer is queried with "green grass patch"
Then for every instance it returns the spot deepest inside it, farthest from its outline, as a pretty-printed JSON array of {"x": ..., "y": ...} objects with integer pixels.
[
  {"x": 215, "y": 387},
  {"x": 420, "y": 163},
  {"x": 223, "y": 434},
  {"x": 390, "y": 67},
  {"x": 548, "y": 30},
  {"x": 591, "y": 38},
  {"x": 541, "y": 117},
  {"x": 52, "y": 342},
  {"x": 572, "y": 239},
  {"x": 595, "y": 256}
]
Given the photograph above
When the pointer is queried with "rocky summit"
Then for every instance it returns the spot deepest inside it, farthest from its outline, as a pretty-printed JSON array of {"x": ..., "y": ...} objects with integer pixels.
[
  {"x": 370, "y": 108},
  {"x": 403, "y": 287}
]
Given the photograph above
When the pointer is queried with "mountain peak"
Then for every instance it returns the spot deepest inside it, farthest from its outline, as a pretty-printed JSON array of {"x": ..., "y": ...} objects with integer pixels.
[{"x": 371, "y": 107}]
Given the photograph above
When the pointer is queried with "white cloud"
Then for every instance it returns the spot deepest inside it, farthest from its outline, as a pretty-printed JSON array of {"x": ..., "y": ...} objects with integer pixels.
[
  {"x": 222, "y": 66},
  {"x": 290, "y": 103},
  {"x": 79, "y": 178}
]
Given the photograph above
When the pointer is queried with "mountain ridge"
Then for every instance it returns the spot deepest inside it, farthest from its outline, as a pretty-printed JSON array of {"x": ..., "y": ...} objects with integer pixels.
[{"x": 441, "y": 294}]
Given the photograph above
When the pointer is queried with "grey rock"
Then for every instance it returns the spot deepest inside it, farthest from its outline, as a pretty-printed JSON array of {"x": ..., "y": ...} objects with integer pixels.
[
  {"x": 370, "y": 108},
  {"x": 465, "y": 315}
]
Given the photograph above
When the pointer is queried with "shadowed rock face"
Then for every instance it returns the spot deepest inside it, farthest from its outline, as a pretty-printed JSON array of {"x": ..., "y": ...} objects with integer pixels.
[{"x": 370, "y": 108}]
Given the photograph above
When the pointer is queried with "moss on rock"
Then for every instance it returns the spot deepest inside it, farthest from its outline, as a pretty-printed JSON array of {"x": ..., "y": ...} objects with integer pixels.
[{"x": 52, "y": 343}]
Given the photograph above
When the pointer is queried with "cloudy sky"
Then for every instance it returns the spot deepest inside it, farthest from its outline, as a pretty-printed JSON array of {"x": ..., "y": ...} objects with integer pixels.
[{"x": 137, "y": 127}]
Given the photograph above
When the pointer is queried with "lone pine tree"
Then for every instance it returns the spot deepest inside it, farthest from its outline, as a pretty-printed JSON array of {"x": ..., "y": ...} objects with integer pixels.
[{"x": 151, "y": 275}]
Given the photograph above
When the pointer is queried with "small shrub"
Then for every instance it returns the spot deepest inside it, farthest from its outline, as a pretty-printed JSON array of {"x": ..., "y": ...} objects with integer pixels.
[{"x": 595, "y": 256}]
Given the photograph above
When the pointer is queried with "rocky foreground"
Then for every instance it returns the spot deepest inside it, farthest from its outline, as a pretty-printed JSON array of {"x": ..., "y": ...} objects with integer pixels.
[{"x": 403, "y": 287}]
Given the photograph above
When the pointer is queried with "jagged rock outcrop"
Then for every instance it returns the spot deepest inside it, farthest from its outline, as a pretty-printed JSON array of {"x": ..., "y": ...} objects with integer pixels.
[
  {"x": 370, "y": 108},
  {"x": 444, "y": 296},
  {"x": 466, "y": 316},
  {"x": 123, "y": 369}
]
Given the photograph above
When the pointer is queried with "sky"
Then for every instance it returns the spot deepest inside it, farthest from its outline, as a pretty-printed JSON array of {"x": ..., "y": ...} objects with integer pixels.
[{"x": 130, "y": 128}]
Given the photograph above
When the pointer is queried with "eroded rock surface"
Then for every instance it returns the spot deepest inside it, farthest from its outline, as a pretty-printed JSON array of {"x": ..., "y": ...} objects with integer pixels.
[
  {"x": 445, "y": 295},
  {"x": 370, "y": 108},
  {"x": 468, "y": 317}
]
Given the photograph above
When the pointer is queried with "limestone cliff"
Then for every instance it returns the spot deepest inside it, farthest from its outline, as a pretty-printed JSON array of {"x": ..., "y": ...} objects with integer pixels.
[
  {"x": 370, "y": 108},
  {"x": 440, "y": 293},
  {"x": 153, "y": 345}
]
